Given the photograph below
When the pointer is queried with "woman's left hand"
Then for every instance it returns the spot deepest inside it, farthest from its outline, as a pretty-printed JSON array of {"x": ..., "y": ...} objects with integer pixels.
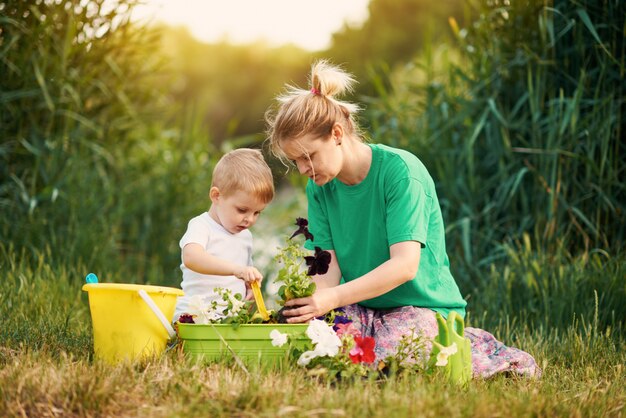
[{"x": 305, "y": 309}]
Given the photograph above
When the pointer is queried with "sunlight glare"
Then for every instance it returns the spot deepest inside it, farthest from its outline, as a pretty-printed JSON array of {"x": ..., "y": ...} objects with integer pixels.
[{"x": 306, "y": 24}]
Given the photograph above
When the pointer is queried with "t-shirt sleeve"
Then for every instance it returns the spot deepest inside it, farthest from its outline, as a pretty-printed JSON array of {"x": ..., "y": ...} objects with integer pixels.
[
  {"x": 408, "y": 212},
  {"x": 318, "y": 222},
  {"x": 197, "y": 232}
]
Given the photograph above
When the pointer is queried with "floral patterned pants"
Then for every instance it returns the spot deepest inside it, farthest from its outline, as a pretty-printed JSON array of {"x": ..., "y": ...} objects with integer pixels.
[{"x": 489, "y": 356}]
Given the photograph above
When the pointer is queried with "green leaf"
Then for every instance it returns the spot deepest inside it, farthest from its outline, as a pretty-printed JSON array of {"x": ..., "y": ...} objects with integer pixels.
[
  {"x": 42, "y": 84},
  {"x": 587, "y": 21}
]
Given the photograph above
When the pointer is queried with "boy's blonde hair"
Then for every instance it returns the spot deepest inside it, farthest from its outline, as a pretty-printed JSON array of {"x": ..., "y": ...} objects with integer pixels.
[
  {"x": 314, "y": 111},
  {"x": 244, "y": 169}
]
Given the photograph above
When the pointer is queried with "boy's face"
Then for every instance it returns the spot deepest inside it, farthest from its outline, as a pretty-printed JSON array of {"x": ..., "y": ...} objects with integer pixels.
[{"x": 236, "y": 211}]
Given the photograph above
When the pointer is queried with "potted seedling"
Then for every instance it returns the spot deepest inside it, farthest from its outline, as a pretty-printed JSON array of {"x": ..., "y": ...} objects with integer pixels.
[
  {"x": 296, "y": 280},
  {"x": 230, "y": 326}
]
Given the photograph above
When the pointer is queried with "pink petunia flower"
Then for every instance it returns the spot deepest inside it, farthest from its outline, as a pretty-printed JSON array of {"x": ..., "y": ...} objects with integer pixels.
[{"x": 347, "y": 329}]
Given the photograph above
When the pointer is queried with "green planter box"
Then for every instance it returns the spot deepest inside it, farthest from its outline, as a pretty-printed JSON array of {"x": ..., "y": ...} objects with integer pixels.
[{"x": 251, "y": 343}]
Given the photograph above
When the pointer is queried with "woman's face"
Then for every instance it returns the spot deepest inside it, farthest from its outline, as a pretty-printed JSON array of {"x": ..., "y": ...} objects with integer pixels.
[{"x": 320, "y": 159}]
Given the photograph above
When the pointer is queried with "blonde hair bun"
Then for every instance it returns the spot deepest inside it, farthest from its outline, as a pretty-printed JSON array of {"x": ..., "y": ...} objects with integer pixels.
[{"x": 330, "y": 80}]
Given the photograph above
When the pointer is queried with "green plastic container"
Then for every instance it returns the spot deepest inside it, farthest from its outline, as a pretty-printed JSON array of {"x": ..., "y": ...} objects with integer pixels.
[{"x": 251, "y": 342}]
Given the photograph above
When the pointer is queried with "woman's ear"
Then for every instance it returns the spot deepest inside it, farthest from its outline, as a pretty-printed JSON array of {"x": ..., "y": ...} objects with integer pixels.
[
  {"x": 337, "y": 133},
  {"x": 214, "y": 194}
]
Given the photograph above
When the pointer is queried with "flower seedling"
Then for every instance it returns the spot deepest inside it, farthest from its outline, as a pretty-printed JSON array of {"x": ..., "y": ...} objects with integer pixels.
[
  {"x": 297, "y": 282},
  {"x": 228, "y": 309}
]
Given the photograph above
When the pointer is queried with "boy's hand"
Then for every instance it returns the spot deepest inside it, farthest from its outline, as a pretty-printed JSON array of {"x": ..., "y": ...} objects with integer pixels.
[
  {"x": 248, "y": 274},
  {"x": 249, "y": 293}
]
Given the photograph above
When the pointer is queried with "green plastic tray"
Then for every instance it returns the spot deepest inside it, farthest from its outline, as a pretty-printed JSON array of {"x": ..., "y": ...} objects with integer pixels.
[{"x": 251, "y": 343}]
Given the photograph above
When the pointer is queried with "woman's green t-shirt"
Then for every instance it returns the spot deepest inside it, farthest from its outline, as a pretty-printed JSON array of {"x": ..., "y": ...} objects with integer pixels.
[{"x": 395, "y": 202}]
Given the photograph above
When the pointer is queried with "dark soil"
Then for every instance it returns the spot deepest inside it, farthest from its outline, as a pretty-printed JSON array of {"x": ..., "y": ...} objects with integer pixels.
[{"x": 281, "y": 318}]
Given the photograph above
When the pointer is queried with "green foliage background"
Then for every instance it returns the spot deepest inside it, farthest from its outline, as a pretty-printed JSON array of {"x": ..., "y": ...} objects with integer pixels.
[
  {"x": 109, "y": 131},
  {"x": 521, "y": 126}
]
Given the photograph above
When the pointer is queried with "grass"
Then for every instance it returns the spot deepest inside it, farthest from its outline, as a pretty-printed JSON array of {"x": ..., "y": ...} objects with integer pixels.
[
  {"x": 47, "y": 369},
  {"x": 37, "y": 383}
]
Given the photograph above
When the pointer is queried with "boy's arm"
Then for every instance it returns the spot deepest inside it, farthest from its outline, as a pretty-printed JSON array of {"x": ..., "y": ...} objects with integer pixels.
[{"x": 197, "y": 259}]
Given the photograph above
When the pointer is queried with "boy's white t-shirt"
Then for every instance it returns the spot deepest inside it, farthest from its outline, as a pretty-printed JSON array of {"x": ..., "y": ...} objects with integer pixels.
[{"x": 218, "y": 242}]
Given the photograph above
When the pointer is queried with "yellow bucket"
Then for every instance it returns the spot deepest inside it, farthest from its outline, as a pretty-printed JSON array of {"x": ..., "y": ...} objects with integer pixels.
[{"x": 130, "y": 321}]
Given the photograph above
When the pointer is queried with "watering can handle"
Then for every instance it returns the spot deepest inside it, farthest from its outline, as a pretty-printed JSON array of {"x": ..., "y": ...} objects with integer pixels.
[
  {"x": 146, "y": 298},
  {"x": 460, "y": 325}
]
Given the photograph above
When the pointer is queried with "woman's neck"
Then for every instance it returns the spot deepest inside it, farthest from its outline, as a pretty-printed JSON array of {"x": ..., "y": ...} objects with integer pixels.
[{"x": 357, "y": 160}]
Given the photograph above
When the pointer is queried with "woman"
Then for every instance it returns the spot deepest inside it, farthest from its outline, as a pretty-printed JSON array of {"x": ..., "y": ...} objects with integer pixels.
[{"x": 375, "y": 209}]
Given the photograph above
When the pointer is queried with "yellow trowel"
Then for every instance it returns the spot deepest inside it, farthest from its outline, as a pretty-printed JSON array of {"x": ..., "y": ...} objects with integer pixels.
[{"x": 258, "y": 298}]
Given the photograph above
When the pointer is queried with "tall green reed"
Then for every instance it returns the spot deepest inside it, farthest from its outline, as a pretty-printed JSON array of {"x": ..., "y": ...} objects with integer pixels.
[
  {"x": 555, "y": 290},
  {"x": 90, "y": 168},
  {"x": 521, "y": 128},
  {"x": 69, "y": 102}
]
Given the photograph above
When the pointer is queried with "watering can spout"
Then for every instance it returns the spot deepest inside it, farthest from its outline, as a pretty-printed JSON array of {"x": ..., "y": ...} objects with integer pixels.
[{"x": 452, "y": 334}]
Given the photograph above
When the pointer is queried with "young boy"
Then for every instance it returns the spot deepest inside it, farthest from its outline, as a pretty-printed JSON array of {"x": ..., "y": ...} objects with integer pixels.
[{"x": 217, "y": 247}]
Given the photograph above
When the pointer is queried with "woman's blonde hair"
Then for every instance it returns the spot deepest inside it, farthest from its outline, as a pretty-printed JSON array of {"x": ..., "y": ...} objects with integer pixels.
[
  {"x": 314, "y": 111},
  {"x": 244, "y": 169}
]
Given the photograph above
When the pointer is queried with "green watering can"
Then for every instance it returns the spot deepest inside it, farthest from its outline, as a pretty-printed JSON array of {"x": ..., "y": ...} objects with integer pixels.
[{"x": 459, "y": 364}]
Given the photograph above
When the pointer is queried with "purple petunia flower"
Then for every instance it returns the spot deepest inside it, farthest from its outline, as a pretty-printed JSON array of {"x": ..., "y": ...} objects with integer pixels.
[
  {"x": 303, "y": 228},
  {"x": 186, "y": 319},
  {"x": 340, "y": 319},
  {"x": 318, "y": 263}
]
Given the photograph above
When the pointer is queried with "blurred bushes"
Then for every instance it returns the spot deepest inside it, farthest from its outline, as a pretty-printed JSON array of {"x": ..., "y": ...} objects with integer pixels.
[
  {"x": 75, "y": 95},
  {"x": 230, "y": 85},
  {"x": 109, "y": 131},
  {"x": 395, "y": 32}
]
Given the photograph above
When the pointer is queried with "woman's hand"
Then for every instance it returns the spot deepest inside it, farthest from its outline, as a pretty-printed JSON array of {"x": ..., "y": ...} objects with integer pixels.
[{"x": 305, "y": 309}]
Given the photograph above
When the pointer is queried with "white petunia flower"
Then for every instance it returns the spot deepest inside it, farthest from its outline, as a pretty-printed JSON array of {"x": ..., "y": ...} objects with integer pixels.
[
  {"x": 237, "y": 304},
  {"x": 319, "y": 331},
  {"x": 212, "y": 316},
  {"x": 197, "y": 303},
  {"x": 202, "y": 311},
  {"x": 278, "y": 338},
  {"x": 328, "y": 346},
  {"x": 444, "y": 353},
  {"x": 199, "y": 309},
  {"x": 306, "y": 357},
  {"x": 325, "y": 341}
]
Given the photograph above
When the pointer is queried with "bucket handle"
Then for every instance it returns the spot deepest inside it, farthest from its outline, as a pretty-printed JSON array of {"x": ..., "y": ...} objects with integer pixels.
[{"x": 146, "y": 298}]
